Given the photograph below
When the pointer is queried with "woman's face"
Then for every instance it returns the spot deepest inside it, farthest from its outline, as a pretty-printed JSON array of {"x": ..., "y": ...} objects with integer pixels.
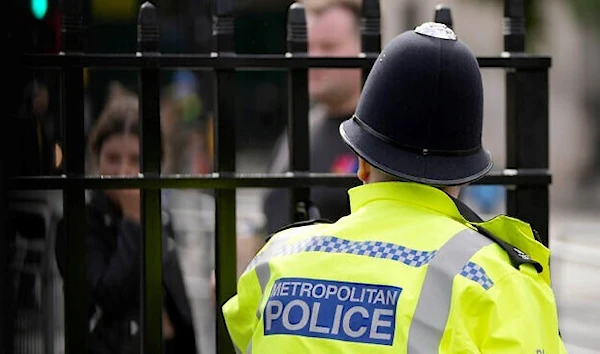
[{"x": 119, "y": 155}]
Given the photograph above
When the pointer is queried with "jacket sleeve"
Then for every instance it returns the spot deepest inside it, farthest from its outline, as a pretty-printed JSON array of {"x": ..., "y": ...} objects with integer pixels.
[
  {"x": 240, "y": 311},
  {"x": 517, "y": 315},
  {"x": 113, "y": 277}
]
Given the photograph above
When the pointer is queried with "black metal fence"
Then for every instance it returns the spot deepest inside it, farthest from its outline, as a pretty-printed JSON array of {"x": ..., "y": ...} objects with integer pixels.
[{"x": 526, "y": 177}]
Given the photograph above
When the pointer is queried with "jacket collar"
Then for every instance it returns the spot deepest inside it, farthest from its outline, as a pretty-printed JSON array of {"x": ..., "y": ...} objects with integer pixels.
[
  {"x": 421, "y": 195},
  {"x": 510, "y": 230}
]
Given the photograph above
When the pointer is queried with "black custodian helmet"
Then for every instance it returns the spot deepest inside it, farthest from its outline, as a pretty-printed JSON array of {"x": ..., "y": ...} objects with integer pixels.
[{"x": 420, "y": 113}]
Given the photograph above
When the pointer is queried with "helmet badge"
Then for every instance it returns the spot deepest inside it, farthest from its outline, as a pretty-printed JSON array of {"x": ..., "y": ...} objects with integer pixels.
[{"x": 437, "y": 30}]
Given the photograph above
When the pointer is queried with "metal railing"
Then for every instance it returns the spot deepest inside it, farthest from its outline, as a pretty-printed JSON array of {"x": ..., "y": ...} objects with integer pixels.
[{"x": 526, "y": 178}]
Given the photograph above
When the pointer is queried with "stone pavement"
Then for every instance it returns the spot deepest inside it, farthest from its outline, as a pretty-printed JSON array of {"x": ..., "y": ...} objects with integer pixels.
[{"x": 575, "y": 245}]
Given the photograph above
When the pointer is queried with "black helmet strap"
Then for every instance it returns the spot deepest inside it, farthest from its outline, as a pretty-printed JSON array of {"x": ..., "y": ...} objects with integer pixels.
[{"x": 422, "y": 151}]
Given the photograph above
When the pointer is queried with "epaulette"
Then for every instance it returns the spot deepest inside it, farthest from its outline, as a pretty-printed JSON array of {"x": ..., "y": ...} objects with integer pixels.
[
  {"x": 301, "y": 223},
  {"x": 517, "y": 257}
]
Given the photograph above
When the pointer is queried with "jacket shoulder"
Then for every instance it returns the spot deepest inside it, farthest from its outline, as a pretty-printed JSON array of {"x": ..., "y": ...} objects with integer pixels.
[{"x": 517, "y": 257}]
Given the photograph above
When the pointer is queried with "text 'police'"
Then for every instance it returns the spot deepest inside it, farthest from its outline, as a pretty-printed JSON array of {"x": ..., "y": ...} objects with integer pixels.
[{"x": 329, "y": 309}]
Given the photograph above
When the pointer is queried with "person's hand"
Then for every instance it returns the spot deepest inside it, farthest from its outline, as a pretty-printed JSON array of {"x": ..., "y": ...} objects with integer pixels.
[
  {"x": 167, "y": 326},
  {"x": 128, "y": 200},
  {"x": 130, "y": 204}
]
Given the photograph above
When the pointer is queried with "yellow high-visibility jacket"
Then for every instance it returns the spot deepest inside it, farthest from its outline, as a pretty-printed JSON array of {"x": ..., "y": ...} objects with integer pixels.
[{"x": 405, "y": 272}]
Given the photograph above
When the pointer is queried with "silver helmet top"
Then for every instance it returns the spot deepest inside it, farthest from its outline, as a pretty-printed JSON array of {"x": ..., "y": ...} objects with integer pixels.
[{"x": 437, "y": 30}]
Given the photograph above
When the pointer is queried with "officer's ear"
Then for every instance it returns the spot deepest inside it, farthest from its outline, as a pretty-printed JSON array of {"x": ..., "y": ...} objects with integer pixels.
[{"x": 364, "y": 171}]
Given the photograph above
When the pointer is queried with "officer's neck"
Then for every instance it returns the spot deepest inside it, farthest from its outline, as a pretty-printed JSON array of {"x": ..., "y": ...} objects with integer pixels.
[
  {"x": 369, "y": 174},
  {"x": 452, "y": 190}
]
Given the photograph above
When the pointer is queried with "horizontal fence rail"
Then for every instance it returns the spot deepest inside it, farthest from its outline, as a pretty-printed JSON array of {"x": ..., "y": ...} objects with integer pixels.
[
  {"x": 508, "y": 177},
  {"x": 248, "y": 61}
]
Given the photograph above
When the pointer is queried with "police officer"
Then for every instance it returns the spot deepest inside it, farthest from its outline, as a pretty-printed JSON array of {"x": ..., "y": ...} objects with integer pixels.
[{"x": 411, "y": 269}]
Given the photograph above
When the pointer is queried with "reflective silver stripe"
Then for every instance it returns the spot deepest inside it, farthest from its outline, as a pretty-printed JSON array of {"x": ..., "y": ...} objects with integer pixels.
[
  {"x": 261, "y": 265},
  {"x": 239, "y": 351},
  {"x": 429, "y": 321},
  {"x": 272, "y": 248},
  {"x": 279, "y": 248},
  {"x": 263, "y": 272}
]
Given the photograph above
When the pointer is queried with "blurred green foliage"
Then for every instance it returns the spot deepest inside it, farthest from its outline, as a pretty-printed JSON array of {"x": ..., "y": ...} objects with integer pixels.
[{"x": 587, "y": 11}]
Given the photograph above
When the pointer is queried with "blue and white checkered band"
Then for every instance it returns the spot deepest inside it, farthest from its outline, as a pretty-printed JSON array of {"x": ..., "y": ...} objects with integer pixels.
[
  {"x": 474, "y": 272},
  {"x": 331, "y": 244},
  {"x": 437, "y": 30},
  {"x": 375, "y": 249}
]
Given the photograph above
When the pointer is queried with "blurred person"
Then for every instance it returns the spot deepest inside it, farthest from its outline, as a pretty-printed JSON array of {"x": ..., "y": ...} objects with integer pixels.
[
  {"x": 411, "y": 269},
  {"x": 39, "y": 145},
  {"x": 34, "y": 151},
  {"x": 333, "y": 29},
  {"x": 113, "y": 244}
]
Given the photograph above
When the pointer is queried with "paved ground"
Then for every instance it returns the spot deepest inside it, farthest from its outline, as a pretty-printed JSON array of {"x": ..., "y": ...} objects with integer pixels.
[{"x": 575, "y": 243}]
